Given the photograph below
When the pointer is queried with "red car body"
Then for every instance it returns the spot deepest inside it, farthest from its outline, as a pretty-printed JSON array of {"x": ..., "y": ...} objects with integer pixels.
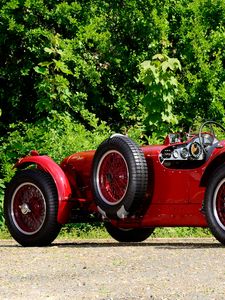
[
  {"x": 178, "y": 175},
  {"x": 176, "y": 196}
]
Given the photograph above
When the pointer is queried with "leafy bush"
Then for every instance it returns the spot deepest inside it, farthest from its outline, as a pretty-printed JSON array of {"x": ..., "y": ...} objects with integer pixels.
[
  {"x": 162, "y": 87},
  {"x": 58, "y": 136},
  {"x": 76, "y": 55},
  {"x": 2, "y": 187}
]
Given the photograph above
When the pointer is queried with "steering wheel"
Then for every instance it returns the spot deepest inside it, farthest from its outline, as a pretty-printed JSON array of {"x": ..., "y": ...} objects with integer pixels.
[{"x": 211, "y": 133}]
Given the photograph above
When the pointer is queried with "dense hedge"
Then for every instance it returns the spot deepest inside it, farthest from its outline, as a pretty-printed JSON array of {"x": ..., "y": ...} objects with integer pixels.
[
  {"x": 74, "y": 69},
  {"x": 69, "y": 55}
]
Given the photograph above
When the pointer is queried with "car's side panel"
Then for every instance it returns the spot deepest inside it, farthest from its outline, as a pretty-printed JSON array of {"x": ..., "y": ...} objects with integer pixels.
[
  {"x": 170, "y": 185},
  {"x": 174, "y": 215},
  {"x": 178, "y": 186},
  {"x": 216, "y": 159},
  {"x": 78, "y": 169},
  {"x": 196, "y": 191},
  {"x": 174, "y": 185},
  {"x": 177, "y": 196},
  {"x": 167, "y": 215}
]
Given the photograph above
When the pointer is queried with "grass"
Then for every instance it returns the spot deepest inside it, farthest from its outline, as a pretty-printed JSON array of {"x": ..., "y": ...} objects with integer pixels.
[
  {"x": 179, "y": 232},
  {"x": 99, "y": 232},
  {"x": 4, "y": 234},
  {"x": 90, "y": 231},
  {"x": 83, "y": 231}
]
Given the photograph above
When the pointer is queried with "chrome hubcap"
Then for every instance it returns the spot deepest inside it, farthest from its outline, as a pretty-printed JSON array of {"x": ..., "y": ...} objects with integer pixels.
[{"x": 24, "y": 208}]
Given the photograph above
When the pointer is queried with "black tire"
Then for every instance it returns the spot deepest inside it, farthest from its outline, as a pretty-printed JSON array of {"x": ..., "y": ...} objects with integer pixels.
[
  {"x": 30, "y": 208},
  {"x": 119, "y": 177},
  {"x": 214, "y": 204},
  {"x": 134, "y": 235}
]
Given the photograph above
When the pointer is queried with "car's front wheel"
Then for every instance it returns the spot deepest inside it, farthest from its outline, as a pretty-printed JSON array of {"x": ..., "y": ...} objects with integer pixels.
[
  {"x": 30, "y": 208},
  {"x": 215, "y": 204}
]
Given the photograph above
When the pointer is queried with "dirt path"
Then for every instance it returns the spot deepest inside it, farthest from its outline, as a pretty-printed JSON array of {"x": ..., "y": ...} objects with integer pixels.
[{"x": 156, "y": 269}]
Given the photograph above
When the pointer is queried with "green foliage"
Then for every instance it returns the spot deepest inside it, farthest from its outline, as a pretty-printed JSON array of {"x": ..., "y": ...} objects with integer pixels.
[
  {"x": 74, "y": 56},
  {"x": 83, "y": 231},
  {"x": 158, "y": 76},
  {"x": 58, "y": 136},
  {"x": 2, "y": 187},
  {"x": 181, "y": 232},
  {"x": 199, "y": 42}
]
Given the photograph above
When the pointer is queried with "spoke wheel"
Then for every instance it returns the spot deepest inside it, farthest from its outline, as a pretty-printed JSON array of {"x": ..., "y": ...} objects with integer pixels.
[
  {"x": 215, "y": 204},
  {"x": 219, "y": 204},
  {"x": 119, "y": 178},
  {"x": 30, "y": 208},
  {"x": 112, "y": 177}
]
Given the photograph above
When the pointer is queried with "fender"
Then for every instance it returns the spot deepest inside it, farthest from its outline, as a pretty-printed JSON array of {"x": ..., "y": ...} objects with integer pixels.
[
  {"x": 214, "y": 162},
  {"x": 46, "y": 164}
]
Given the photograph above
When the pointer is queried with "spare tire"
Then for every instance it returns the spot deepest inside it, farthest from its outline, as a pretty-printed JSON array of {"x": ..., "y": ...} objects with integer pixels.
[{"x": 119, "y": 177}]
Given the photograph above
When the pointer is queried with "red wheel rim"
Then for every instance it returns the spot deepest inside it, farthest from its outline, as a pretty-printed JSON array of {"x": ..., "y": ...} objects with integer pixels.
[
  {"x": 112, "y": 177},
  {"x": 28, "y": 208},
  {"x": 219, "y": 204}
]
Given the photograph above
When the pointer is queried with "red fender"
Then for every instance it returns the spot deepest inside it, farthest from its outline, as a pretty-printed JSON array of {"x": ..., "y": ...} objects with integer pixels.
[{"x": 62, "y": 184}]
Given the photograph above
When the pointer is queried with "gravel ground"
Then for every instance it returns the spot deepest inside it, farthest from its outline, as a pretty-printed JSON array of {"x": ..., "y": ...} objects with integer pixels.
[{"x": 104, "y": 269}]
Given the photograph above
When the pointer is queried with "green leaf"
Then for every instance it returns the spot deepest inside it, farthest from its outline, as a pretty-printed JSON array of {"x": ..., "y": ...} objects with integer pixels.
[
  {"x": 61, "y": 66},
  {"x": 41, "y": 70},
  {"x": 49, "y": 50}
]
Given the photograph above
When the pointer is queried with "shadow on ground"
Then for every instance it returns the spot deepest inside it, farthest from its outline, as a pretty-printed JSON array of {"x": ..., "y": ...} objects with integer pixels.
[
  {"x": 162, "y": 244},
  {"x": 158, "y": 243}
]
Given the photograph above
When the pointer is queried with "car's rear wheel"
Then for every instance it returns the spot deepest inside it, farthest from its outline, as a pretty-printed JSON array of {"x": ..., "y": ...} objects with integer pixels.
[
  {"x": 215, "y": 204},
  {"x": 127, "y": 235},
  {"x": 119, "y": 177},
  {"x": 30, "y": 208}
]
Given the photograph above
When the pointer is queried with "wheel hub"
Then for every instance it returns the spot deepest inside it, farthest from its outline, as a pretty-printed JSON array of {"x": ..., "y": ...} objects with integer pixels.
[{"x": 24, "y": 209}]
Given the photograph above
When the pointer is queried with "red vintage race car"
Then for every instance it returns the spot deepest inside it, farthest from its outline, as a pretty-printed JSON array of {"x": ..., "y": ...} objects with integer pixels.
[{"x": 131, "y": 189}]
